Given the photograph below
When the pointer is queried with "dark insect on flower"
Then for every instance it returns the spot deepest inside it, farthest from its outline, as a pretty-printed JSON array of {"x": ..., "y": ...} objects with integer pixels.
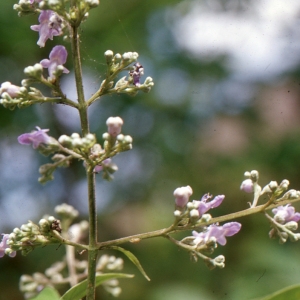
[
  {"x": 136, "y": 73},
  {"x": 56, "y": 226}
]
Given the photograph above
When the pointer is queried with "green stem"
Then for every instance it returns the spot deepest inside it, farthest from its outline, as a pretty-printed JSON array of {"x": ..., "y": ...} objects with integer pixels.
[
  {"x": 82, "y": 108},
  {"x": 174, "y": 228},
  {"x": 92, "y": 257}
]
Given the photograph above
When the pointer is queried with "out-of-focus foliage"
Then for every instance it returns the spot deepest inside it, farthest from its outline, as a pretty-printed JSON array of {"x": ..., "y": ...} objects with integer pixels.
[{"x": 206, "y": 121}]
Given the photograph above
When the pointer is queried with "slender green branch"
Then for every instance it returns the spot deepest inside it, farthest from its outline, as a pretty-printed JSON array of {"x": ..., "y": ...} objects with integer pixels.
[
  {"x": 174, "y": 228},
  {"x": 92, "y": 235},
  {"x": 82, "y": 106},
  {"x": 58, "y": 100},
  {"x": 70, "y": 152},
  {"x": 68, "y": 242},
  {"x": 104, "y": 88}
]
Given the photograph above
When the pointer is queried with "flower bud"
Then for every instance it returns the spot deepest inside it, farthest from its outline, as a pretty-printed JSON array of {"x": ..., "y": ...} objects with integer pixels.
[
  {"x": 247, "y": 186},
  {"x": 108, "y": 55},
  {"x": 182, "y": 196},
  {"x": 114, "y": 125},
  {"x": 292, "y": 225}
]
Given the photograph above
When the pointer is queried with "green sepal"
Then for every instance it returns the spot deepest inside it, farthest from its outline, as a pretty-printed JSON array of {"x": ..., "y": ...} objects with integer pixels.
[
  {"x": 133, "y": 258},
  {"x": 78, "y": 291}
]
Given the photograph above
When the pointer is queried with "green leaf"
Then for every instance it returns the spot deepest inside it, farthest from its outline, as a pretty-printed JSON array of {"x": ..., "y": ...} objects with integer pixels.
[
  {"x": 291, "y": 293},
  {"x": 78, "y": 291},
  {"x": 132, "y": 258},
  {"x": 48, "y": 293}
]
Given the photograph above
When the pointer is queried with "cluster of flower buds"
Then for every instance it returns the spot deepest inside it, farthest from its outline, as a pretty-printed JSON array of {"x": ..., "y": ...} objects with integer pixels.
[
  {"x": 194, "y": 212},
  {"x": 78, "y": 144},
  {"x": 117, "y": 63},
  {"x": 110, "y": 263},
  {"x": 74, "y": 15},
  {"x": 67, "y": 213},
  {"x": 30, "y": 286},
  {"x": 250, "y": 185},
  {"x": 284, "y": 222},
  {"x": 30, "y": 235},
  {"x": 13, "y": 96}
]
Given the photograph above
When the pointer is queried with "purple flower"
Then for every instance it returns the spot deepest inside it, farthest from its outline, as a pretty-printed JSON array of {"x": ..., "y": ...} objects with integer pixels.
[
  {"x": 10, "y": 89},
  {"x": 247, "y": 186},
  {"x": 182, "y": 195},
  {"x": 4, "y": 245},
  {"x": 35, "y": 138},
  {"x": 217, "y": 232},
  {"x": 136, "y": 73},
  {"x": 50, "y": 25},
  {"x": 204, "y": 206},
  {"x": 58, "y": 56},
  {"x": 284, "y": 214}
]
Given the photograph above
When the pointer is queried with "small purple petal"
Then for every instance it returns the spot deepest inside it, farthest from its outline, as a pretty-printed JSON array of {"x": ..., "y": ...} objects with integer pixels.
[
  {"x": 50, "y": 25},
  {"x": 58, "y": 56},
  {"x": 217, "y": 232},
  {"x": 204, "y": 206},
  {"x": 35, "y": 138},
  {"x": 136, "y": 73}
]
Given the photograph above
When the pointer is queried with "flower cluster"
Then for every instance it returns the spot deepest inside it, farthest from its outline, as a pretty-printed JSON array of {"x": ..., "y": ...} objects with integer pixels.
[
  {"x": 284, "y": 223},
  {"x": 194, "y": 214},
  {"x": 30, "y": 235},
  {"x": 216, "y": 233},
  {"x": 35, "y": 138},
  {"x": 50, "y": 25},
  {"x": 195, "y": 210},
  {"x": 5, "y": 247}
]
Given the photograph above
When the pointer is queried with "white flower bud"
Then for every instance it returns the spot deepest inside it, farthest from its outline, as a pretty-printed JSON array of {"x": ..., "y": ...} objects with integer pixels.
[
  {"x": 292, "y": 225},
  {"x": 51, "y": 219},
  {"x": 194, "y": 213},
  {"x": 114, "y": 125},
  {"x": 77, "y": 142},
  {"x": 177, "y": 213},
  {"x": 75, "y": 135}
]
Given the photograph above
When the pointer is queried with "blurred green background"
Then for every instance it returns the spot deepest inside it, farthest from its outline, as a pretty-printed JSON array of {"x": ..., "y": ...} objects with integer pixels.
[{"x": 226, "y": 100}]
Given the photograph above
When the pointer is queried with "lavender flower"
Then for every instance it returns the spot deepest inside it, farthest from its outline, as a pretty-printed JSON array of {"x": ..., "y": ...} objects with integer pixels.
[
  {"x": 35, "y": 138},
  {"x": 114, "y": 125},
  {"x": 4, "y": 245},
  {"x": 217, "y": 232},
  {"x": 182, "y": 195},
  {"x": 58, "y": 57},
  {"x": 204, "y": 206},
  {"x": 284, "y": 214},
  {"x": 247, "y": 186},
  {"x": 10, "y": 89},
  {"x": 50, "y": 25},
  {"x": 136, "y": 73},
  {"x": 105, "y": 163}
]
